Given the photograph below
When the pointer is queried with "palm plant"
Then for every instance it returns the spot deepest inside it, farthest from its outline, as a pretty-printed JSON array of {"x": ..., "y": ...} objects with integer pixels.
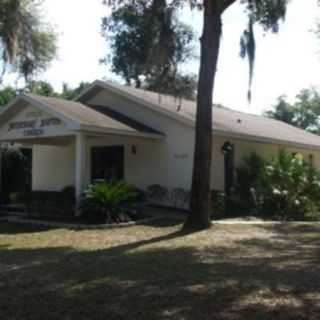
[{"x": 108, "y": 200}]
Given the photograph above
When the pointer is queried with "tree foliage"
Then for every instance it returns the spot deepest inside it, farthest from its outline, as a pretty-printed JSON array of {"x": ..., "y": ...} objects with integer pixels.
[
  {"x": 287, "y": 185},
  {"x": 267, "y": 13},
  {"x": 27, "y": 44},
  {"x": 6, "y": 94},
  {"x": 42, "y": 88},
  {"x": 304, "y": 113},
  {"x": 148, "y": 44}
]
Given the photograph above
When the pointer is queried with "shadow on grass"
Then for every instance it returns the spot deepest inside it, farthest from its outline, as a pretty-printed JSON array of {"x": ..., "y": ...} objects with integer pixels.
[
  {"x": 16, "y": 228},
  {"x": 7, "y": 228},
  {"x": 162, "y": 222},
  {"x": 158, "y": 279},
  {"x": 300, "y": 234}
]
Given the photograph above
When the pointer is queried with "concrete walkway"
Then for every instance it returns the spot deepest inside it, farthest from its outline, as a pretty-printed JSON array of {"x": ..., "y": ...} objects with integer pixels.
[
  {"x": 264, "y": 222},
  {"x": 249, "y": 220}
]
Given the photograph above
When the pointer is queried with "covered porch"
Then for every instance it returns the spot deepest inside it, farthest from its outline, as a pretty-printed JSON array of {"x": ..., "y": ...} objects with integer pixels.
[{"x": 74, "y": 145}]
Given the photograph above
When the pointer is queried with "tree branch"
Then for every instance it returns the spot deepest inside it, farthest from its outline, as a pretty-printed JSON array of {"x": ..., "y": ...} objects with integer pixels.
[{"x": 226, "y": 4}]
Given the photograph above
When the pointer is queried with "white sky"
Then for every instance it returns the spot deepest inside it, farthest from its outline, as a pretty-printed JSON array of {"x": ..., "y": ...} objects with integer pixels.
[{"x": 286, "y": 62}]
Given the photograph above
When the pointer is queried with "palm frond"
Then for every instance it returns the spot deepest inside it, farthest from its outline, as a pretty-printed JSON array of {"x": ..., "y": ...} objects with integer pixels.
[
  {"x": 248, "y": 50},
  {"x": 267, "y": 13}
]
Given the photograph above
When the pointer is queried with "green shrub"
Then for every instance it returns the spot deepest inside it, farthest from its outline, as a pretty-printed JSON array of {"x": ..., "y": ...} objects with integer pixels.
[
  {"x": 291, "y": 186},
  {"x": 179, "y": 197},
  {"x": 248, "y": 179},
  {"x": 218, "y": 203},
  {"x": 157, "y": 193},
  {"x": 287, "y": 186},
  {"x": 107, "y": 202},
  {"x": 47, "y": 203}
]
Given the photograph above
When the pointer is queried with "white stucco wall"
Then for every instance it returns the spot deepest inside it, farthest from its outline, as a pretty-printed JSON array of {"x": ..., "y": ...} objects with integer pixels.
[
  {"x": 170, "y": 162},
  {"x": 155, "y": 162},
  {"x": 167, "y": 162},
  {"x": 53, "y": 167}
]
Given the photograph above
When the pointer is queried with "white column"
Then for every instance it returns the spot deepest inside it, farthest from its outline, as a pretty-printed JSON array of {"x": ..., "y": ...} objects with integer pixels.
[{"x": 80, "y": 164}]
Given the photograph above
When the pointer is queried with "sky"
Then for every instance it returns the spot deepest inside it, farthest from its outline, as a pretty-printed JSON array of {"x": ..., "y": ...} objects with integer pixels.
[{"x": 286, "y": 62}]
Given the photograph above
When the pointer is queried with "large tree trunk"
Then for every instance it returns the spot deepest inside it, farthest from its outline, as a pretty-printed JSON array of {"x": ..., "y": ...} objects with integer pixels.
[{"x": 199, "y": 217}]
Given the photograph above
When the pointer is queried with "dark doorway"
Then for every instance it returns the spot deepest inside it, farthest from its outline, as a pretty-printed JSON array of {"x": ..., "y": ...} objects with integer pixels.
[
  {"x": 107, "y": 163},
  {"x": 228, "y": 152},
  {"x": 27, "y": 154},
  {"x": 16, "y": 172}
]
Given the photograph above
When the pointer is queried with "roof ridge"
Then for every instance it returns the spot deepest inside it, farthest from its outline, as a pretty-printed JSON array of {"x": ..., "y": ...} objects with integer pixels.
[
  {"x": 222, "y": 107},
  {"x": 253, "y": 126}
]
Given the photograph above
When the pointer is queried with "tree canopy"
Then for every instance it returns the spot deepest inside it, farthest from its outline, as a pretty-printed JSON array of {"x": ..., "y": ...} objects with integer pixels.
[
  {"x": 304, "y": 113},
  {"x": 148, "y": 44},
  {"x": 267, "y": 13},
  {"x": 42, "y": 88},
  {"x": 27, "y": 43}
]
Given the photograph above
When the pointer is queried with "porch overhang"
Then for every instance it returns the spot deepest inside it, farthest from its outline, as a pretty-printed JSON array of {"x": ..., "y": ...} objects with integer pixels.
[{"x": 34, "y": 119}]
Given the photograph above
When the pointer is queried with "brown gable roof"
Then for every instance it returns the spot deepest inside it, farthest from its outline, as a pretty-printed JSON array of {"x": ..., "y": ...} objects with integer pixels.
[
  {"x": 80, "y": 114},
  {"x": 225, "y": 121}
]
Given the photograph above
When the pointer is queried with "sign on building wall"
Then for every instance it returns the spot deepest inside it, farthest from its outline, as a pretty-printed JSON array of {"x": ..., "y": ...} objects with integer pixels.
[{"x": 32, "y": 123}]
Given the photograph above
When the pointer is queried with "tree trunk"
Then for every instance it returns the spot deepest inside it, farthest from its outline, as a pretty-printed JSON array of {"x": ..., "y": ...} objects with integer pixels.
[{"x": 199, "y": 217}]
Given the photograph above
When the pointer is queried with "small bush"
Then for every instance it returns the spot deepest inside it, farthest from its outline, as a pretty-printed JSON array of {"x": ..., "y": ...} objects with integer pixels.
[
  {"x": 218, "y": 203},
  {"x": 157, "y": 193},
  {"x": 108, "y": 202},
  {"x": 47, "y": 203},
  {"x": 179, "y": 197},
  {"x": 248, "y": 179},
  {"x": 287, "y": 186}
]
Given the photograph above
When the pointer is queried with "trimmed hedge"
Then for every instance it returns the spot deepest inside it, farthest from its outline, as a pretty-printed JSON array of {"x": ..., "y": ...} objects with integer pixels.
[{"x": 48, "y": 203}]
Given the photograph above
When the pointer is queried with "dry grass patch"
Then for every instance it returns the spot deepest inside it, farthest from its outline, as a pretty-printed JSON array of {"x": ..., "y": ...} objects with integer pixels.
[{"x": 156, "y": 272}]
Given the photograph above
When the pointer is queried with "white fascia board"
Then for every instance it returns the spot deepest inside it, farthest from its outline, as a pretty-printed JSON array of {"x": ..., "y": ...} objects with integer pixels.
[
  {"x": 101, "y": 130},
  {"x": 191, "y": 123},
  {"x": 251, "y": 138},
  {"x": 58, "y": 135}
]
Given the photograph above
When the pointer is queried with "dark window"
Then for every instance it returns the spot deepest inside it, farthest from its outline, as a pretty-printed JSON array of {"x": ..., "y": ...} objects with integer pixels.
[
  {"x": 107, "y": 163},
  {"x": 311, "y": 158}
]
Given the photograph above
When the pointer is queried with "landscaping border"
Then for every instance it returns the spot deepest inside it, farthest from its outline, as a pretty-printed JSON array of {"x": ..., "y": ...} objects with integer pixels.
[{"x": 76, "y": 226}]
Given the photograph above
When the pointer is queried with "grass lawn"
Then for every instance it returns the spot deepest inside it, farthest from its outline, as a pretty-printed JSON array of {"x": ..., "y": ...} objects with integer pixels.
[{"x": 153, "y": 272}]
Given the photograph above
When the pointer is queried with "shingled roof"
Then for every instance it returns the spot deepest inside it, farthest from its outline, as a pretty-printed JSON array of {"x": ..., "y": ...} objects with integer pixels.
[
  {"x": 226, "y": 121},
  {"x": 83, "y": 116}
]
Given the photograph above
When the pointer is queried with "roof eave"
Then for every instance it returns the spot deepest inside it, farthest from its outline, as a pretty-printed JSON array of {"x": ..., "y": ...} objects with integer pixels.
[
  {"x": 125, "y": 94},
  {"x": 266, "y": 140},
  {"x": 71, "y": 123},
  {"x": 121, "y": 132},
  {"x": 191, "y": 123}
]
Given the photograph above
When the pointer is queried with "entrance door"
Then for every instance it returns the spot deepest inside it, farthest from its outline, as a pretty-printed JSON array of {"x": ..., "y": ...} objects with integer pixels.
[
  {"x": 16, "y": 172},
  {"x": 107, "y": 163},
  {"x": 228, "y": 151},
  {"x": 27, "y": 154}
]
